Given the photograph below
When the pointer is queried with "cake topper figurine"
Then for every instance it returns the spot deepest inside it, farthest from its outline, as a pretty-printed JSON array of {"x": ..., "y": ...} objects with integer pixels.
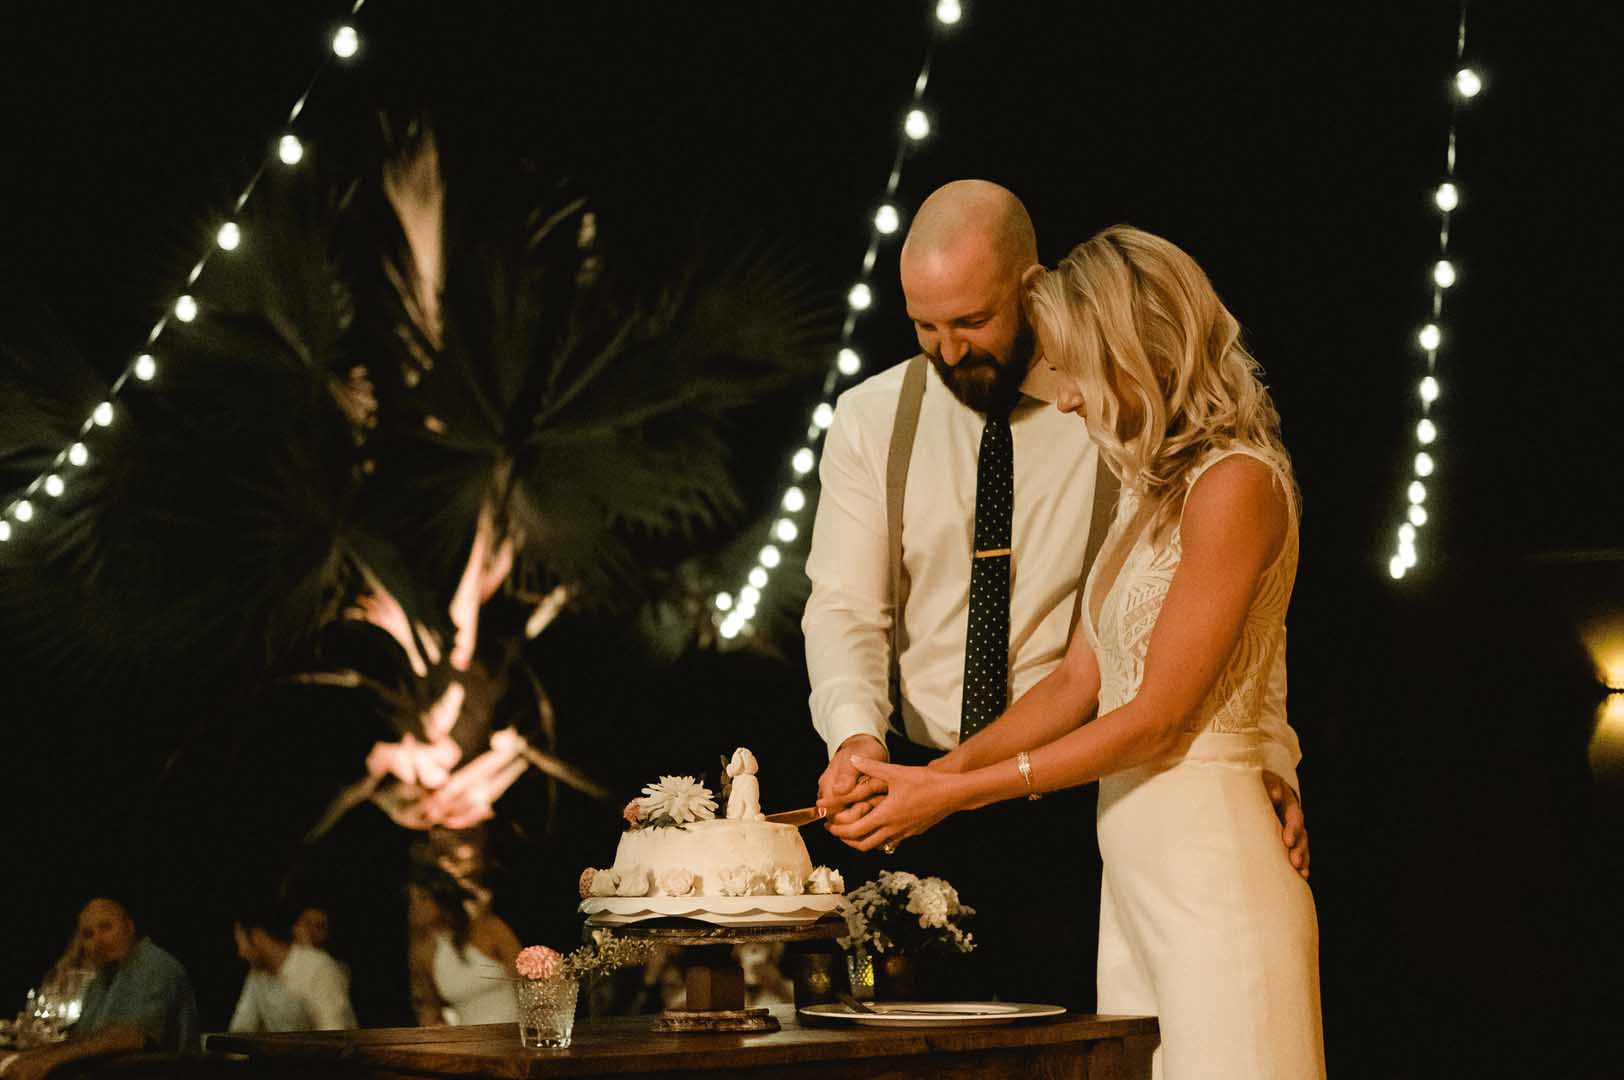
[{"x": 744, "y": 795}]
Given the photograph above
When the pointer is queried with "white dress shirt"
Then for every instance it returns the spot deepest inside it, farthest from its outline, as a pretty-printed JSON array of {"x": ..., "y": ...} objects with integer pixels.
[
  {"x": 310, "y": 993},
  {"x": 848, "y": 615}
]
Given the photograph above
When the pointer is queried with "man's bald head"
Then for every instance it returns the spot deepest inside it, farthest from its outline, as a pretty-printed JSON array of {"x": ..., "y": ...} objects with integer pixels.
[
  {"x": 969, "y": 253},
  {"x": 974, "y": 219}
]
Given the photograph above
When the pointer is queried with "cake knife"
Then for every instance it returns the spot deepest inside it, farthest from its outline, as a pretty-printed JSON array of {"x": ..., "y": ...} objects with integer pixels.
[{"x": 805, "y": 816}]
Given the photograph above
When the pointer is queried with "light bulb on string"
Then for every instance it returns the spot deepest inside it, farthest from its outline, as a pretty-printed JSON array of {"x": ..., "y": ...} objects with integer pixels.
[
  {"x": 823, "y": 416},
  {"x": 730, "y": 628},
  {"x": 887, "y": 220},
  {"x": 860, "y": 297},
  {"x": 803, "y": 461},
  {"x": 53, "y": 486},
  {"x": 949, "y": 12},
  {"x": 1443, "y": 274},
  {"x": 1430, "y": 337},
  {"x": 1428, "y": 389},
  {"x": 745, "y": 612},
  {"x": 1417, "y": 492},
  {"x": 1447, "y": 197},
  {"x": 848, "y": 362},
  {"x": 1423, "y": 464},
  {"x": 290, "y": 150},
  {"x": 758, "y": 577},
  {"x": 794, "y": 500},
  {"x": 770, "y": 557},
  {"x": 5, "y": 531},
  {"x": 229, "y": 236},
  {"x": 749, "y": 595},
  {"x": 23, "y": 511},
  {"x": 1395, "y": 566},
  {"x": 186, "y": 308},
  {"x": 1468, "y": 83},
  {"x": 723, "y": 601},
  {"x": 1406, "y": 533},
  {"x": 917, "y": 125},
  {"x": 103, "y": 414},
  {"x": 145, "y": 367},
  {"x": 1425, "y": 432},
  {"x": 1407, "y": 556},
  {"x": 1418, "y": 515},
  {"x": 345, "y": 42},
  {"x": 785, "y": 530},
  {"x": 78, "y": 454}
]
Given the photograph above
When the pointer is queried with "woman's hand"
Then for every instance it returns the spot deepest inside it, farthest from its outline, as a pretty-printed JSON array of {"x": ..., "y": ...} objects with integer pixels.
[{"x": 915, "y": 799}]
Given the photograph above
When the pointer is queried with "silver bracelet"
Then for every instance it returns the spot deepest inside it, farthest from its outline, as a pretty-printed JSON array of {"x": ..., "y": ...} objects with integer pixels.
[{"x": 1024, "y": 764}]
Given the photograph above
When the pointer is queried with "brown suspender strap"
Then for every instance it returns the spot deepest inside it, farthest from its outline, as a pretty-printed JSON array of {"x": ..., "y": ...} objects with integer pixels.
[
  {"x": 897, "y": 460},
  {"x": 1106, "y": 489}
]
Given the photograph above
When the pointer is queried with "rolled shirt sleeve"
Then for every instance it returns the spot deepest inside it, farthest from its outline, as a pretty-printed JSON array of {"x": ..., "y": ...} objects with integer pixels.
[{"x": 848, "y": 615}]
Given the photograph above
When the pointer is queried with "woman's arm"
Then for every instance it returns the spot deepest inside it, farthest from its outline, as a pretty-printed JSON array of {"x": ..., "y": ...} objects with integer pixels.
[
  {"x": 1060, "y": 702},
  {"x": 496, "y": 939},
  {"x": 1233, "y": 527},
  {"x": 426, "y": 1001}
]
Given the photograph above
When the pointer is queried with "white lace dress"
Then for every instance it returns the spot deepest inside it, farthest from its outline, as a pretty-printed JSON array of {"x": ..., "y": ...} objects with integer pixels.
[{"x": 1203, "y": 922}]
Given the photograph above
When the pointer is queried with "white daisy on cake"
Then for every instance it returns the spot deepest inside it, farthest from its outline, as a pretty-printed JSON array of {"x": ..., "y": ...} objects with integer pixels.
[{"x": 680, "y": 798}]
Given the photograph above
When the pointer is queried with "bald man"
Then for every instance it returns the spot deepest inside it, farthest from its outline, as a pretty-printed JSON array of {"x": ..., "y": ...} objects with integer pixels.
[
  {"x": 968, "y": 258},
  {"x": 140, "y": 998}
]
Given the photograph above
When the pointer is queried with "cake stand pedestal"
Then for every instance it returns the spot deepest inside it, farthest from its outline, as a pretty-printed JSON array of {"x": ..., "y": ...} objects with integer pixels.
[{"x": 713, "y": 977}]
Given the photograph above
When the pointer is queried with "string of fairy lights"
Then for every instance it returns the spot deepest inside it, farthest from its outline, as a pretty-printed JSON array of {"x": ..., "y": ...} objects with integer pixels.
[
  {"x": 1430, "y": 337},
  {"x": 229, "y": 240},
  {"x": 735, "y": 611}
]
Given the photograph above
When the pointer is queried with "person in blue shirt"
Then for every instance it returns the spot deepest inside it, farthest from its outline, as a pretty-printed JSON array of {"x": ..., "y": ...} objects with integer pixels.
[{"x": 140, "y": 999}]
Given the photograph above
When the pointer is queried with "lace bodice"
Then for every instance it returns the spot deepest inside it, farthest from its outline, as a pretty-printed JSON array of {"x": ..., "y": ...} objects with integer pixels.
[{"x": 1130, "y": 607}]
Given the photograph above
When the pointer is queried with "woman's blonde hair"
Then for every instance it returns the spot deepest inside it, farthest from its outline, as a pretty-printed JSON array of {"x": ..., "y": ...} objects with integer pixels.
[{"x": 1130, "y": 313}]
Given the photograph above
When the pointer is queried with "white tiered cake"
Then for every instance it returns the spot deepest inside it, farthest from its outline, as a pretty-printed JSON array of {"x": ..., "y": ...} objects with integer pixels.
[{"x": 676, "y": 859}]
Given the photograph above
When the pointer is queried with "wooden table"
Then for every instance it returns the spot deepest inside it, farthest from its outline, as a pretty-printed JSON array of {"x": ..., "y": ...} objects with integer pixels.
[{"x": 1074, "y": 1047}]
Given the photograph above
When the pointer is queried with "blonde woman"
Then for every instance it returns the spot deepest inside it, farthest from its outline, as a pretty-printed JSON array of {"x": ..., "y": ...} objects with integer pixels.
[{"x": 1203, "y": 921}]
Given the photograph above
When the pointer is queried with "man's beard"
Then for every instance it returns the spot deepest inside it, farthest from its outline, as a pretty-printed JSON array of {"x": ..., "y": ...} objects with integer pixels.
[{"x": 985, "y": 383}]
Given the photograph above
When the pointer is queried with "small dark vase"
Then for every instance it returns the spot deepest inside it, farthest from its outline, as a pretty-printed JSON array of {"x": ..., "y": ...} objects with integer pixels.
[{"x": 897, "y": 977}]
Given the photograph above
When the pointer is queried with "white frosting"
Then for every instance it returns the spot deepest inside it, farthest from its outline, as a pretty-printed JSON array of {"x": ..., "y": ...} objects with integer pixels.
[{"x": 711, "y": 849}]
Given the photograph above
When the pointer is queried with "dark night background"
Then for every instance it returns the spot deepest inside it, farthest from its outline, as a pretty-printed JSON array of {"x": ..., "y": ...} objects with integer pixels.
[{"x": 1467, "y": 866}]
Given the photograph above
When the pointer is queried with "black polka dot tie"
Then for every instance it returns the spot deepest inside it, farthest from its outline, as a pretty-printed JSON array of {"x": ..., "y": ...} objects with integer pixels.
[{"x": 986, "y": 645}]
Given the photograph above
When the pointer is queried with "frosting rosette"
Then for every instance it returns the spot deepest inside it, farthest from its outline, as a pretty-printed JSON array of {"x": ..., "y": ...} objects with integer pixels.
[
  {"x": 603, "y": 883},
  {"x": 676, "y": 882},
  {"x": 785, "y": 882},
  {"x": 739, "y": 881},
  {"x": 825, "y": 882},
  {"x": 633, "y": 882},
  {"x": 539, "y": 962}
]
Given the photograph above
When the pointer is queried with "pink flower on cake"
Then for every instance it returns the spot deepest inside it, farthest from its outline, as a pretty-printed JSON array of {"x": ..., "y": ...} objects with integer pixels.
[
  {"x": 633, "y": 813},
  {"x": 539, "y": 962},
  {"x": 584, "y": 887}
]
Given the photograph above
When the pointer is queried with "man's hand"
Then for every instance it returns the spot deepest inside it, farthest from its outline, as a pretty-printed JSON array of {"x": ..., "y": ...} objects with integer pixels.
[
  {"x": 1289, "y": 809},
  {"x": 841, "y": 790}
]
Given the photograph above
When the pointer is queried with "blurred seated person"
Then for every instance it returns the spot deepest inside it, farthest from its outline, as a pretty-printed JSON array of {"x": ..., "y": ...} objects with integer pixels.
[
  {"x": 462, "y": 954},
  {"x": 289, "y": 986},
  {"x": 312, "y": 928},
  {"x": 139, "y": 999}
]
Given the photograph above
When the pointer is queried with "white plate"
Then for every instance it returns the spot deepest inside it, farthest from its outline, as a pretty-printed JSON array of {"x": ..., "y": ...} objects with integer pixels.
[
  {"x": 934, "y": 1013},
  {"x": 717, "y": 910}
]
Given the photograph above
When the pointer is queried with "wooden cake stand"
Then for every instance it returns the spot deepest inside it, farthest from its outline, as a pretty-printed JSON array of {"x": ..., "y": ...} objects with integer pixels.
[{"x": 713, "y": 977}]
